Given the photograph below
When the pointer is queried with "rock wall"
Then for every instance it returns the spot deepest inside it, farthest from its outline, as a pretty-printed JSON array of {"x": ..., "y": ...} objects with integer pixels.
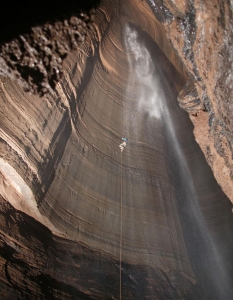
[
  {"x": 36, "y": 264},
  {"x": 201, "y": 34},
  {"x": 38, "y": 38},
  {"x": 64, "y": 148}
]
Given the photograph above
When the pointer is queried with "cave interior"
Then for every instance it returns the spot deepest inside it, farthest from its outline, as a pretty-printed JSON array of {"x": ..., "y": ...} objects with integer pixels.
[{"x": 79, "y": 218}]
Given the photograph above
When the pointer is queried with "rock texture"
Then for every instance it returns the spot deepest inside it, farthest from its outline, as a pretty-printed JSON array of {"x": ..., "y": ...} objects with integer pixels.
[
  {"x": 201, "y": 34},
  {"x": 38, "y": 265},
  {"x": 44, "y": 36},
  {"x": 69, "y": 175}
]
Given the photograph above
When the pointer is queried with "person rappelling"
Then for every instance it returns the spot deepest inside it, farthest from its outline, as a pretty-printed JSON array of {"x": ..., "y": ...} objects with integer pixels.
[{"x": 123, "y": 144}]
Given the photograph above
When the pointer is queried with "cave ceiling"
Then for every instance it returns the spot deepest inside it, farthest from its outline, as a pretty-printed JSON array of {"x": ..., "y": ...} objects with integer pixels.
[{"x": 79, "y": 218}]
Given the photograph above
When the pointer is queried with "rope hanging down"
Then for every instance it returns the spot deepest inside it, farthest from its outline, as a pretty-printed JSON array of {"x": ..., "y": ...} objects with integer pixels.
[
  {"x": 122, "y": 147},
  {"x": 121, "y": 229}
]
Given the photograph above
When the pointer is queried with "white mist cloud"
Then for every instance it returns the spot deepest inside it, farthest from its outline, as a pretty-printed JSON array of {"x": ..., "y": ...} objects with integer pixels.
[{"x": 150, "y": 95}]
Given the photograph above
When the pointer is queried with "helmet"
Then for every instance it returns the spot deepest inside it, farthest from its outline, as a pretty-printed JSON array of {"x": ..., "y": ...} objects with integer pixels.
[{"x": 125, "y": 139}]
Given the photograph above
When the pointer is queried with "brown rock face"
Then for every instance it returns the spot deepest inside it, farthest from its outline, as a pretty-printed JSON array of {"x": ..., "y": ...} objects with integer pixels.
[
  {"x": 32, "y": 52},
  {"x": 201, "y": 33},
  {"x": 80, "y": 219}
]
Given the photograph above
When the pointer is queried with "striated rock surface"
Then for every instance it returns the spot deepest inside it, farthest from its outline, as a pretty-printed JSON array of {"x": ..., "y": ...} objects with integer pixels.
[
  {"x": 61, "y": 167},
  {"x": 38, "y": 265},
  {"x": 201, "y": 34}
]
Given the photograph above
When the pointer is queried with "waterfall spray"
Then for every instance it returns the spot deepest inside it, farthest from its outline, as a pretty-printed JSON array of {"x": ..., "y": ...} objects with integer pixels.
[{"x": 151, "y": 99}]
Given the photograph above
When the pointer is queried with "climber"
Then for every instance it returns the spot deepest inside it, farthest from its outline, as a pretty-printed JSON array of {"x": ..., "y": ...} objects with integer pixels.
[{"x": 123, "y": 144}]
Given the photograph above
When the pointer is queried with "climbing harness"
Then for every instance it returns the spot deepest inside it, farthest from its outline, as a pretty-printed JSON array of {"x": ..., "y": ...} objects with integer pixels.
[{"x": 123, "y": 144}]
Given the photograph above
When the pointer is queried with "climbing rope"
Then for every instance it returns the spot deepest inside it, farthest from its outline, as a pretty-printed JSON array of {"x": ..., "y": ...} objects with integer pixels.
[{"x": 121, "y": 228}]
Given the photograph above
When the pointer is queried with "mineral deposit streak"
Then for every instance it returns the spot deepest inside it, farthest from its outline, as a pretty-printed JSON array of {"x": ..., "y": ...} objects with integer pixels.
[{"x": 208, "y": 262}]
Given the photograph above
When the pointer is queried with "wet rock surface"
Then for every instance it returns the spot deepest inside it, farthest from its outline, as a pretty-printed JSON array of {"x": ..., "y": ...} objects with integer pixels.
[
  {"x": 201, "y": 33},
  {"x": 64, "y": 145}
]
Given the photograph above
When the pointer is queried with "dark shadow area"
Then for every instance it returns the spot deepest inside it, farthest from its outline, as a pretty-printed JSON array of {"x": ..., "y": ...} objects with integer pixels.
[
  {"x": 55, "y": 153},
  {"x": 17, "y": 17},
  {"x": 37, "y": 36},
  {"x": 50, "y": 286},
  {"x": 49, "y": 267}
]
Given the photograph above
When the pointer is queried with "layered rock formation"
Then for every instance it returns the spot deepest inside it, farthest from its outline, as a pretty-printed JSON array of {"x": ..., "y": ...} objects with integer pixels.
[
  {"x": 201, "y": 33},
  {"x": 61, "y": 166}
]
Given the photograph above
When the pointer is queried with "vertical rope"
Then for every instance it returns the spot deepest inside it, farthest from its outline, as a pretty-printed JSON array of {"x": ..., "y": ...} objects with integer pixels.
[
  {"x": 121, "y": 228},
  {"x": 121, "y": 208}
]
